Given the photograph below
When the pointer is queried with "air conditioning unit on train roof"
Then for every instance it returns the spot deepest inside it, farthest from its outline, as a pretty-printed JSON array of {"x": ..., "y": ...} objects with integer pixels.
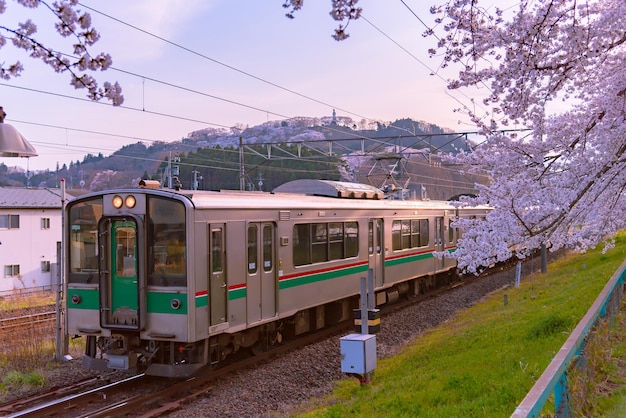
[{"x": 331, "y": 188}]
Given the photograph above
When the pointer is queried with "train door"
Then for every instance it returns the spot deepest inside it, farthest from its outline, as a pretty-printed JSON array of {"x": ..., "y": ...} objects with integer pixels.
[
  {"x": 217, "y": 274},
  {"x": 439, "y": 241},
  {"x": 119, "y": 284},
  {"x": 376, "y": 250},
  {"x": 261, "y": 283}
]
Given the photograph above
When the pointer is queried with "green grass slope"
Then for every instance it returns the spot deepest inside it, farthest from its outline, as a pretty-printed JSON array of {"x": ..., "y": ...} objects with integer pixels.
[{"x": 485, "y": 360}]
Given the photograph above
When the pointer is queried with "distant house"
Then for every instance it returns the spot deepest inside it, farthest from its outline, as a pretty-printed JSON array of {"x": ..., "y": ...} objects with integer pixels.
[{"x": 30, "y": 231}]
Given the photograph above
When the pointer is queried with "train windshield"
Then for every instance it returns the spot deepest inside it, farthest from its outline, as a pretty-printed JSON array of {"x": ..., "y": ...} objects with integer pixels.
[
  {"x": 166, "y": 242},
  {"x": 83, "y": 245},
  {"x": 165, "y": 239}
]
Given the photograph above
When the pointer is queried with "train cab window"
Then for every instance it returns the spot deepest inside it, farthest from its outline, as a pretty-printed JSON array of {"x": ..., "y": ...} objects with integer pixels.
[
  {"x": 83, "y": 219},
  {"x": 167, "y": 261},
  {"x": 252, "y": 249}
]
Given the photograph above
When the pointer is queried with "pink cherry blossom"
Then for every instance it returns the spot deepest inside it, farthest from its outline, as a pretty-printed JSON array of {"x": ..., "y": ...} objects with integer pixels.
[
  {"x": 70, "y": 23},
  {"x": 556, "y": 67}
]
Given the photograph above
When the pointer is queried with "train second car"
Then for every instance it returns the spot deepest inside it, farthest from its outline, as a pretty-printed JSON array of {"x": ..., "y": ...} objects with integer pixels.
[{"x": 167, "y": 282}]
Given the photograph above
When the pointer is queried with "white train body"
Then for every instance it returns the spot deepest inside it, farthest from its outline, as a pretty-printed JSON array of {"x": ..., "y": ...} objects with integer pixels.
[{"x": 170, "y": 281}]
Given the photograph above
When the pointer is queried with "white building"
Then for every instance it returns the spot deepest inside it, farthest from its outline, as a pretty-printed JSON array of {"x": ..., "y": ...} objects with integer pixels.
[{"x": 30, "y": 233}]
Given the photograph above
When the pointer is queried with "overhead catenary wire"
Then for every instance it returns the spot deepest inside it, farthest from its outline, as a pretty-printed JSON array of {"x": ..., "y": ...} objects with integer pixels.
[{"x": 206, "y": 94}]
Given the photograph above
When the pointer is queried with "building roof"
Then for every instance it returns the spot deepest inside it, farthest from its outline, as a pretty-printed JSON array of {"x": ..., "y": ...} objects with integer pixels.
[{"x": 29, "y": 198}]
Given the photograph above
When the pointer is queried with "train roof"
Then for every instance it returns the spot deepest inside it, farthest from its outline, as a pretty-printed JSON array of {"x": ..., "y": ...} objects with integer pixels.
[
  {"x": 309, "y": 194},
  {"x": 298, "y": 194}
]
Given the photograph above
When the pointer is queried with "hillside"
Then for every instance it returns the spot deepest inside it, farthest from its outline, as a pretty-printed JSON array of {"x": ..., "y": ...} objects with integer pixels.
[{"x": 399, "y": 154}]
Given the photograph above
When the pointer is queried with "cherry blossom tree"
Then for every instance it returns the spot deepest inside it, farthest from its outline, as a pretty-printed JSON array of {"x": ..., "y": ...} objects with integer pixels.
[
  {"x": 342, "y": 11},
  {"x": 558, "y": 68},
  {"x": 70, "y": 23}
]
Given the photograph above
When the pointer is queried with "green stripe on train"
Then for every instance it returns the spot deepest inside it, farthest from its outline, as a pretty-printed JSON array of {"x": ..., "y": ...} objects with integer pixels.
[
  {"x": 409, "y": 259},
  {"x": 202, "y": 301},
  {"x": 89, "y": 299},
  {"x": 314, "y": 278},
  {"x": 237, "y": 293},
  {"x": 157, "y": 302},
  {"x": 162, "y": 303}
]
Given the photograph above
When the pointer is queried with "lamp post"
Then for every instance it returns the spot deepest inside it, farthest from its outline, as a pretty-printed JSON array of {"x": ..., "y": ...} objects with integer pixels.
[{"x": 12, "y": 143}]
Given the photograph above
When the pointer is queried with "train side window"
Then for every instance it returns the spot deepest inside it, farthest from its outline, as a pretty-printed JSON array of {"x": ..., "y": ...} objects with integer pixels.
[
  {"x": 301, "y": 244},
  {"x": 321, "y": 242},
  {"x": 406, "y": 234},
  {"x": 409, "y": 233},
  {"x": 450, "y": 231},
  {"x": 252, "y": 249},
  {"x": 415, "y": 233},
  {"x": 216, "y": 251},
  {"x": 351, "y": 238},
  {"x": 370, "y": 238},
  {"x": 319, "y": 248},
  {"x": 396, "y": 235},
  {"x": 424, "y": 233},
  {"x": 335, "y": 241},
  {"x": 267, "y": 248}
]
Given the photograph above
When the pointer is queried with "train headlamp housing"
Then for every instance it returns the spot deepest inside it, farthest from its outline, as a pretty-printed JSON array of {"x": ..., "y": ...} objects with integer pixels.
[
  {"x": 117, "y": 201},
  {"x": 130, "y": 201},
  {"x": 176, "y": 303},
  {"x": 76, "y": 299}
]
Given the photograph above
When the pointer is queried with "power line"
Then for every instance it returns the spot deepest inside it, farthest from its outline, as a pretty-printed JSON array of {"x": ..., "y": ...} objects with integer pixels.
[
  {"x": 230, "y": 67},
  {"x": 121, "y": 106}
]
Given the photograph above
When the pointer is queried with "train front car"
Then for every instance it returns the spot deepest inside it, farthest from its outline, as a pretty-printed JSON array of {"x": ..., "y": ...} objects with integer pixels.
[{"x": 127, "y": 289}]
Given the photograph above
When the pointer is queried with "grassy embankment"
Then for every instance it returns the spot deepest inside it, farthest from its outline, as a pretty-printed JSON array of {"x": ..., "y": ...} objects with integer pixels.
[
  {"x": 482, "y": 362},
  {"x": 26, "y": 355}
]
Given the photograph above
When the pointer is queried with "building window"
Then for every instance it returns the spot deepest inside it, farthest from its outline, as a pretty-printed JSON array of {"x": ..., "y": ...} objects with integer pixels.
[
  {"x": 9, "y": 221},
  {"x": 12, "y": 270},
  {"x": 45, "y": 266},
  {"x": 45, "y": 223}
]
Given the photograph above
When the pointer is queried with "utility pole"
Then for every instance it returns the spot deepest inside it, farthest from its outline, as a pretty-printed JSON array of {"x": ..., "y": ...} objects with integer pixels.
[
  {"x": 242, "y": 170},
  {"x": 196, "y": 178}
]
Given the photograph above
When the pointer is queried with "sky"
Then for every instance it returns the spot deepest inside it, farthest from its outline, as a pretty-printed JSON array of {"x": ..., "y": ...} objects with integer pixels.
[{"x": 186, "y": 65}]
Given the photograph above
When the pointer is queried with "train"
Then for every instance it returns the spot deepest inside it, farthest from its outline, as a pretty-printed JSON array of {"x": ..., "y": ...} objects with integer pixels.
[{"x": 170, "y": 281}]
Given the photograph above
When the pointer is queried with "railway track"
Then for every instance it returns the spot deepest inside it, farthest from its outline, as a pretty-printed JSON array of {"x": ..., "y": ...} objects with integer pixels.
[
  {"x": 145, "y": 396},
  {"x": 140, "y": 395},
  {"x": 8, "y": 325}
]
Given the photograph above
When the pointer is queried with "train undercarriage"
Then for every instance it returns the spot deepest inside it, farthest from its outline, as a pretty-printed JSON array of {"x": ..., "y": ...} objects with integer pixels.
[{"x": 125, "y": 350}]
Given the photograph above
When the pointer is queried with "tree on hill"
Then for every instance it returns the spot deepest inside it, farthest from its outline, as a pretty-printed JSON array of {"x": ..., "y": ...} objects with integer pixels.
[
  {"x": 220, "y": 167},
  {"x": 70, "y": 23},
  {"x": 556, "y": 67}
]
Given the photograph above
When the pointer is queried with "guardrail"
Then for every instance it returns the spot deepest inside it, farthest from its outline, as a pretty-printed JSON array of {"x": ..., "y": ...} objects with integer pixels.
[
  {"x": 16, "y": 293},
  {"x": 554, "y": 378}
]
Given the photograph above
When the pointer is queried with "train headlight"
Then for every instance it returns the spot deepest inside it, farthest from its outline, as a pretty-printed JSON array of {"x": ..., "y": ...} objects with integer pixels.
[
  {"x": 130, "y": 201},
  {"x": 176, "y": 303},
  {"x": 117, "y": 201},
  {"x": 76, "y": 299}
]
